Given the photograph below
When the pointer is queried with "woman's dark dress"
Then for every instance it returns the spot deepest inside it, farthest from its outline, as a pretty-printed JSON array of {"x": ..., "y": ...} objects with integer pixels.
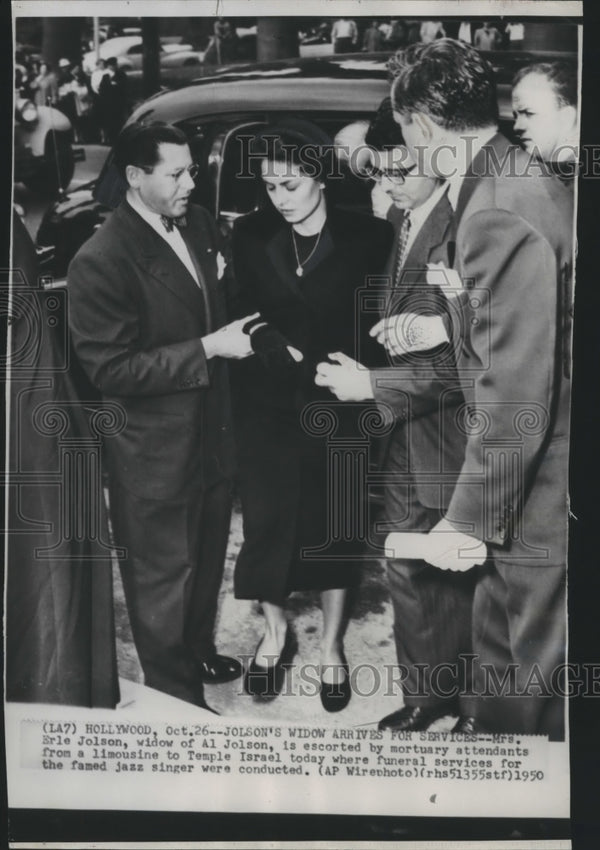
[{"x": 283, "y": 469}]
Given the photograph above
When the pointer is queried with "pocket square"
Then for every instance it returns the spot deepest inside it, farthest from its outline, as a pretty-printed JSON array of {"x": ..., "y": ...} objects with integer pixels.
[
  {"x": 221, "y": 265},
  {"x": 448, "y": 280}
]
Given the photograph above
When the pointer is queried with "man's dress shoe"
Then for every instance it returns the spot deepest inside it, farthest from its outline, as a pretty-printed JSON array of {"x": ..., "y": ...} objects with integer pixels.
[
  {"x": 413, "y": 717},
  {"x": 219, "y": 669},
  {"x": 266, "y": 682},
  {"x": 466, "y": 725}
]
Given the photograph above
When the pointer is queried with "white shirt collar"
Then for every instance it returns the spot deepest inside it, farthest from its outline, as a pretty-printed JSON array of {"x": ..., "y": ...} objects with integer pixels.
[
  {"x": 172, "y": 238},
  {"x": 420, "y": 214},
  {"x": 146, "y": 213},
  {"x": 455, "y": 182}
]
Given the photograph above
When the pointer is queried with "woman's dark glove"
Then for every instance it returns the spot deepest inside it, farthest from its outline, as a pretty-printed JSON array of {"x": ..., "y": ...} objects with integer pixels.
[{"x": 271, "y": 347}]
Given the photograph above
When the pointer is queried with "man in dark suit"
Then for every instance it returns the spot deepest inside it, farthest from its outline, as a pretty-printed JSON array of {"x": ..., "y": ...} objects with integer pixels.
[
  {"x": 514, "y": 259},
  {"x": 432, "y": 609},
  {"x": 147, "y": 313}
]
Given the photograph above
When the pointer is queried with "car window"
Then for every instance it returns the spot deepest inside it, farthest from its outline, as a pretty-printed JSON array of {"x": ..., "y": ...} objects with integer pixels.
[
  {"x": 200, "y": 133},
  {"x": 239, "y": 192},
  {"x": 135, "y": 48}
]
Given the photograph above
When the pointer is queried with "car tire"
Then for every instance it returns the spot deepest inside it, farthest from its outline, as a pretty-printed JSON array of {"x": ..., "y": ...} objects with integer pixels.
[
  {"x": 191, "y": 61},
  {"x": 47, "y": 180}
]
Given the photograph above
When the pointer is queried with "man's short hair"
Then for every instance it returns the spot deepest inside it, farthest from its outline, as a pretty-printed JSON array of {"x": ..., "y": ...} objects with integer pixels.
[
  {"x": 447, "y": 80},
  {"x": 561, "y": 75},
  {"x": 138, "y": 144},
  {"x": 384, "y": 131}
]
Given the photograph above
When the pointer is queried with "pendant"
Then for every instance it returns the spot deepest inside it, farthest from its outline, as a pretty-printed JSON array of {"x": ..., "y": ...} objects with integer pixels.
[{"x": 299, "y": 271}]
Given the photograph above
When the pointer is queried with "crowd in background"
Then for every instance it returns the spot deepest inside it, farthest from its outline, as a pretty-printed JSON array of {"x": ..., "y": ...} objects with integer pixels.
[
  {"x": 96, "y": 105},
  {"x": 396, "y": 33}
]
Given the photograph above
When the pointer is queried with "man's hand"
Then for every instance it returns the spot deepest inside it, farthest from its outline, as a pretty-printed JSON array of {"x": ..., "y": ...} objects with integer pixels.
[
  {"x": 449, "y": 549},
  {"x": 409, "y": 332},
  {"x": 230, "y": 341},
  {"x": 345, "y": 378}
]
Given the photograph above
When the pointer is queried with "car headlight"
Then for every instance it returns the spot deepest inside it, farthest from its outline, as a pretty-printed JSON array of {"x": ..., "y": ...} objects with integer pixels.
[{"x": 28, "y": 112}]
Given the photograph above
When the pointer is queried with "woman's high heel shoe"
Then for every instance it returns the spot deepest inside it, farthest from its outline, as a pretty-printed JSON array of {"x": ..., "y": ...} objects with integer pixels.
[
  {"x": 265, "y": 683},
  {"x": 335, "y": 696}
]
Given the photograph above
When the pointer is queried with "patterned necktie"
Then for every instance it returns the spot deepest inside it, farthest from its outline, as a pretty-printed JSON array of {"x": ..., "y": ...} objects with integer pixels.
[
  {"x": 401, "y": 244},
  {"x": 169, "y": 223}
]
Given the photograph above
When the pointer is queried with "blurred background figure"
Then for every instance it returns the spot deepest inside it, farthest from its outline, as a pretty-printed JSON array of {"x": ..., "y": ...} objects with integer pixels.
[
  {"x": 430, "y": 30},
  {"x": 544, "y": 101},
  {"x": 66, "y": 94},
  {"x": 385, "y": 28},
  {"x": 96, "y": 119},
  {"x": 96, "y": 76},
  {"x": 112, "y": 100},
  {"x": 60, "y": 638},
  {"x": 344, "y": 35},
  {"x": 464, "y": 32},
  {"x": 45, "y": 86},
  {"x": 83, "y": 105},
  {"x": 224, "y": 41},
  {"x": 515, "y": 34},
  {"x": 487, "y": 37},
  {"x": 373, "y": 38},
  {"x": 397, "y": 35}
]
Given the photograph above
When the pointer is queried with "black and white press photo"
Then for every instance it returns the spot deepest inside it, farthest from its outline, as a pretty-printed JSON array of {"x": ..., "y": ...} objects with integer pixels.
[{"x": 288, "y": 382}]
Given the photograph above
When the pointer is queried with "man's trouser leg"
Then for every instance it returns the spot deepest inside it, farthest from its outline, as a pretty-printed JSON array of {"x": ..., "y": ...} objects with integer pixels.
[
  {"x": 432, "y": 622},
  {"x": 212, "y": 535},
  {"x": 159, "y": 536},
  {"x": 519, "y": 639}
]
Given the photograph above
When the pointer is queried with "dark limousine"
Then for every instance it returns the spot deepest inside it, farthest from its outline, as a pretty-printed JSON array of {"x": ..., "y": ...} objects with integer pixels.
[{"x": 215, "y": 111}]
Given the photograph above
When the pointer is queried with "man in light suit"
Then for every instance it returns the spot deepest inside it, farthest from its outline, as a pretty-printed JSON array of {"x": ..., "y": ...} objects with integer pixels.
[
  {"x": 147, "y": 315},
  {"x": 514, "y": 258},
  {"x": 425, "y": 451}
]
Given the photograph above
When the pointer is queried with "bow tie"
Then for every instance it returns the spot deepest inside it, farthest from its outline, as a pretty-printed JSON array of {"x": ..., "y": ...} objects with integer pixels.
[{"x": 169, "y": 223}]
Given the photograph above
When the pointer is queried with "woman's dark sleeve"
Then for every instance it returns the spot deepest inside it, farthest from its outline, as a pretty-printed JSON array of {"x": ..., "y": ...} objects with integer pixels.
[{"x": 268, "y": 343}]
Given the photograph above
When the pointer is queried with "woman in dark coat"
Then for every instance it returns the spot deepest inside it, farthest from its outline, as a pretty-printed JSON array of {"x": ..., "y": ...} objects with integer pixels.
[{"x": 299, "y": 262}]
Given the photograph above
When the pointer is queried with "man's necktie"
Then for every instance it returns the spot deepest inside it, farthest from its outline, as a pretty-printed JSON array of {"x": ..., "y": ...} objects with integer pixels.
[
  {"x": 401, "y": 244},
  {"x": 170, "y": 223}
]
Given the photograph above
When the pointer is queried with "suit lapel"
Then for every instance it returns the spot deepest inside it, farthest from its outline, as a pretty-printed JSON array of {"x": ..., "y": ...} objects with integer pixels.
[
  {"x": 203, "y": 278},
  {"x": 158, "y": 259},
  {"x": 431, "y": 236},
  {"x": 429, "y": 246}
]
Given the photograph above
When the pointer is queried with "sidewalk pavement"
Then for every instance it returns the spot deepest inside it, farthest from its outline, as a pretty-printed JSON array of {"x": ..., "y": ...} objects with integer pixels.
[{"x": 369, "y": 647}]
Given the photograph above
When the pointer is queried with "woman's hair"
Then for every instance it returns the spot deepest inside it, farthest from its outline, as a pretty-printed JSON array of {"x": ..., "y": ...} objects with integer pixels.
[{"x": 295, "y": 142}]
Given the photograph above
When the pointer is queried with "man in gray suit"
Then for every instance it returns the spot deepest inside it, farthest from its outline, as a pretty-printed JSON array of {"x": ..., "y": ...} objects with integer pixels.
[
  {"x": 514, "y": 256},
  {"x": 147, "y": 316},
  {"x": 432, "y": 609}
]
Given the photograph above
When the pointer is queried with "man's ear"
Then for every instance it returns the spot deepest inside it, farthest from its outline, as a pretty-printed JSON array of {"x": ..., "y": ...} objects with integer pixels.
[
  {"x": 570, "y": 115},
  {"x": 133, "y": 175},
  {"x": 425, "y": 125}
]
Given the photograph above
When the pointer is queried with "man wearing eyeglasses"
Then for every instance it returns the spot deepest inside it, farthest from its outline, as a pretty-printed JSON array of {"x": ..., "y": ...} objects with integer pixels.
[
  {"x": 147, "y": 315},
  {"x": 425, "y": 451}
]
